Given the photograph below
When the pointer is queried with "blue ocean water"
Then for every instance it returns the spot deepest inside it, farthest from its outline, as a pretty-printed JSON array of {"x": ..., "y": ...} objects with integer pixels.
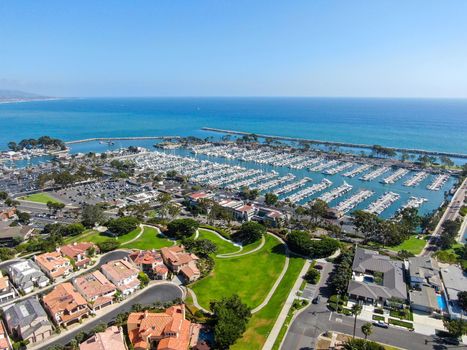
[{"x": 437, "y": 124}]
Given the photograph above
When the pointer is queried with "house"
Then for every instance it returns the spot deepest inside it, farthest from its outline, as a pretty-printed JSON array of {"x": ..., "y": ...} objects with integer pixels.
[
  {"x": 239, "y": 210},
  {"x": 65, "y": 305},
  {"x": 79, "y": 253},
  {"x": 143, "y": 197},
  {"x": 54, "y": 265},
  {"x": 424, "y": 284},
  {"x": 11, "y": 235},
  {"x": 26, "y": 275},
  {"x": 376, "y": 278},
  {"x": 111, "y": 339},
  {"x": 5, "y": 343},
  {"x": 270, "y": 217},
  {"x": 455, "y": 281},
  {"x": 27, "y": 320},
  {"x": 151, "y": 263},
  {"x": 7, "y": 291},
  {"x": 168, "y": 330},
  {"x": 195, "y": 197},
  {"x": 7, "y": 213},
  {"x": 96, "y": 289},
  {"x": 181, "y": 262},
  {"x": 123, "y": 275}
]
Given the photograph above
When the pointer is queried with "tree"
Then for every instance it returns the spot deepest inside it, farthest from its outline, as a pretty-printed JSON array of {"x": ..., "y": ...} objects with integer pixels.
[
  {"x": 462, "y": 298},
  {"x": 312, "y": 276},
  {"x": 73, "y": 229},
  {"x": 108, "y": 245},
  {"x": 92, "y": 215},
  {"x": 182, "y": 228},
  {"x": 362, "y": 344},
  {"x": 456, "y": 328},
  {"x": 55, "y": 206},
  {"x": 23, "y": 218},
  {"x": 270, "y": 198},
  {"x": 3, "y": 195},
  {"x": 143, "y": 279},
  {"x": 6, "y": 253},
  {"x": 367, "y": 329},
  {"x": 247, "y": 194},
  {"x": 300, "y": 242},
  {"x": 317, "y": 210},
  {"x": 122, "y": 226},
  {"x": 356, "y": 309},
  {"x": 230, "y": 318},
  {"x": 200, "y": 247},
  {"x": 249, "y": 232}
]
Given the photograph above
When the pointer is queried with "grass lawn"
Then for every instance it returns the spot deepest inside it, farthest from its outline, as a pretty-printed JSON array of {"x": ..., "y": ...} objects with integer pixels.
[
  {"x": 223, "y": 247},
  {"x": 150, "y": 239},
  {"x": 413, "y": 245},
  {"x": 97, "y": 237},
  {"x": 251, "y": 276},
  {"x": 262, "y": 322},
  {"x": 40, "y": 198}
]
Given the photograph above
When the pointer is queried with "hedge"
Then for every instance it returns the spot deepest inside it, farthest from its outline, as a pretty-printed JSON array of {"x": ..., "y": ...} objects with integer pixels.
[
  {"x": 378, "y": 318},
  {"x": 401, "y": 323},
  {"x": 222, "y": 232}
]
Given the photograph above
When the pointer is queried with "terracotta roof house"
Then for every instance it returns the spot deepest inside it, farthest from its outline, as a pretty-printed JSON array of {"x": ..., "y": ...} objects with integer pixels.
[
  {"x": 78, "y": 252},
  {"x": 7, "y": 291},
  {"x": 168, "y": 330},
  {"x": 5, "y": 343},
  {"x": 182, "y": 262},
  {"x": 27, "y": 320},
  {"x": 65, "y": 305},
  {"x": 54, "y": 265},
  {"x": 26, "y": 275},
  {"x": 376, "y": 278},
  {"x": 111, "y": 339},
  {"x": 7, "y": 213},
  {"x": 151, "y": 263},
  {"x": 123, "y": 274},
  {"x": 96, "y": 289}
]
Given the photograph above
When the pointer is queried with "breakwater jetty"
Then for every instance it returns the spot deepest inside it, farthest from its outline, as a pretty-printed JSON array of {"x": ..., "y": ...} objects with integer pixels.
[
  {"x": 340, "y": 144},
  {"x": 110, "y": 139}
]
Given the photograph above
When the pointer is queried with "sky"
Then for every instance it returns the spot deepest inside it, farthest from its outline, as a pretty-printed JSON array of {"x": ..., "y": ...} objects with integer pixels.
[{"x": 393, "y": 48}]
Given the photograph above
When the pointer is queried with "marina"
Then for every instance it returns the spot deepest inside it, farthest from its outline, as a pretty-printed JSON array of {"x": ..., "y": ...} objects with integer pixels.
[
  {"x": 358, "y": 170},
  {"x": 308, "y": 191},
  {"x": 416, "y": 179},
  {"x": 324, "y": 165},
  {"x": 292, "y": 186},
  {"x": 396, "y": 176},
  {"x": 336, "y": 192},
  {"x": 414, "y": 202},
  {"x": 338, "y": 169},
  {"x": 438, "y": 182},
  {"x": 350, "y": 203},
  {"x": 382, "y": 203},
  {"x": 375, "y": 173}
]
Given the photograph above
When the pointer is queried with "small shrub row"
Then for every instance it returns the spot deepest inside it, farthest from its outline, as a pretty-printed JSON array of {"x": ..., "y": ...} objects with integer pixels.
[
  {"x": 378, "y": 318},
  {"x": 407, "y": 325}
]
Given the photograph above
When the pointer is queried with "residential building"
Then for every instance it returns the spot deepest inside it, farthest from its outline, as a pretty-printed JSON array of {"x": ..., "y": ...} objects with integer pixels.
[
  {"x": 239, "y": 210},
  {"x": 425, "y": 282},
  {"x": 79, "y": 253},
  {"x": 5, "y": 343},
  {"x": 11, "y": 235},
  {"x": 7, "y": 291},
  {"x": 111, "y": 339},
  {"x": 151, "y": 263},
  {"x": 123, "y": 275},
  {"x": 455, "y": 281},
  {"x": 180, "y": 261},
  {"x": 65, "y": 305},
  {"x": 26, "y": 275},
  {"x": 7, "y": 213},
  {"x": 195, "y": 197},
  {"x": 54, "y": 265},
  {"x": 96, "y": 289},
  {"x": 376, "y": 278},
  {"x": 168, "y": 330},
  {"x": 268, "y": 216},
  {"x": 27, "y": 320}
]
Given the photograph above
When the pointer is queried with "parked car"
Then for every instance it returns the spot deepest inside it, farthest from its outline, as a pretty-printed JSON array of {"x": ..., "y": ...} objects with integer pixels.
[
  {"x": 381, "y": 324},
  {"x": 316, "y": 300},
  {"x": 319, "y": 267}
]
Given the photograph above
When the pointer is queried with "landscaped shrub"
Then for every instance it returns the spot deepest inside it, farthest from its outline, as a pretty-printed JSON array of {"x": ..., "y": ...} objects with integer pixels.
[
  {"x": 408, "y": 325},
  {"x": 378, "y": 318},
  {"x": 312, "y": 276},
  {"x": 224, "y": 233},
  {"x": 379, "y": 311}
]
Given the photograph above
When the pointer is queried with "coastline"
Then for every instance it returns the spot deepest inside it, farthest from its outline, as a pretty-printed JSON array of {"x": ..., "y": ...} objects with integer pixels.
[{"x": 4, "y": 102}]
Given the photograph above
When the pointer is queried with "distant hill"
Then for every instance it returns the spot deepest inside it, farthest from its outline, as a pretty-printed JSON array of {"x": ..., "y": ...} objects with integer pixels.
[{"x": 17, "y": 96}]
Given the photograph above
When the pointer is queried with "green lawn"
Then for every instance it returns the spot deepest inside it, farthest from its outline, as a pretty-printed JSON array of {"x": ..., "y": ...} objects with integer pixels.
[
  {"x": 223, "y": 247},
  {"x": 40, "y": 198},
  {"x": 150, "y": 239},
  {"x": 262, "y": 322},
  {"x": 251, "y": 276},
  {"x": 413, "y": 245},
  {"x": 97, "y": 237}
]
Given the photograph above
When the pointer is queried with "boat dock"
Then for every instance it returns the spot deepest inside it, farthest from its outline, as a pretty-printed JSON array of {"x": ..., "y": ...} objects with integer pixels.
[
  {"x": 309, "y": 191},
  {"x": 438, "y": 182},
  {"x": 358, "y": 170},
  {"x": 322, "y": 166},
  {"x": 382, "y": 203},
  {"x": 273, "y": 183},
  {"x": 292, "y": 186},
  {"x": 353, "y": 201},
  {"x": 375, "y": 173},
  {"x": 110, "y": 139},
  {"x": 335, "y": 193},
  {"x": 339, "y": 168},
  {"x": 396, "y": 176},
  {"x": 416, "y": 179},
  {"x": 414, "y": 202}
]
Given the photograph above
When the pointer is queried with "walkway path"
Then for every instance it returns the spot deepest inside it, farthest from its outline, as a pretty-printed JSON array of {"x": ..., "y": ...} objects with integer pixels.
[
  {"x": 273, "y": 334},
  {"x": 141, "y": 228},
  {"x": 195, "y": 301},
  {"x": 235, "y": 255}
]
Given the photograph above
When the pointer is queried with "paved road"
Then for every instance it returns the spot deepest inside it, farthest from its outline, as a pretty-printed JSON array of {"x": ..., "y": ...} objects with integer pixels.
[
  {"x": 317, "y": 319},
  {"x": 162, "y": 293},
  {"x": 451, "y": 213}
]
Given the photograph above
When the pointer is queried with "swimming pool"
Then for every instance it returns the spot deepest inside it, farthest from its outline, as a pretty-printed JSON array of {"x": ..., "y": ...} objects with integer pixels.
[{"x": 441, "y": 302}]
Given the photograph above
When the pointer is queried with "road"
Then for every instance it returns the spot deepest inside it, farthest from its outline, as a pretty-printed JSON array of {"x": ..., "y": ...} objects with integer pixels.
[
  {"x": 451, "y": 213},
  {"x": 155, "y": 293},
  {"x": 317, "y": 319}
]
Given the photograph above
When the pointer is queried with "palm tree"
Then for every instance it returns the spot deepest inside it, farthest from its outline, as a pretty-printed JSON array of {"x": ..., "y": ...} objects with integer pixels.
[
  {"x": 356, "y": 309},
  {"x": 367, "y": 329}
]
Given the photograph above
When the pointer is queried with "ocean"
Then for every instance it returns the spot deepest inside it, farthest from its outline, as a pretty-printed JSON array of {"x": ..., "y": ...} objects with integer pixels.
[
  {"x": 431, "y": 124},
  {"x": 439, "y": 125}
]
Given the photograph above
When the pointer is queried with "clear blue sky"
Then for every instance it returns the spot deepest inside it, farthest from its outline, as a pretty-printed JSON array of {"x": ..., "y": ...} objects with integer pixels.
[{"x": 235, "y": 48}]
